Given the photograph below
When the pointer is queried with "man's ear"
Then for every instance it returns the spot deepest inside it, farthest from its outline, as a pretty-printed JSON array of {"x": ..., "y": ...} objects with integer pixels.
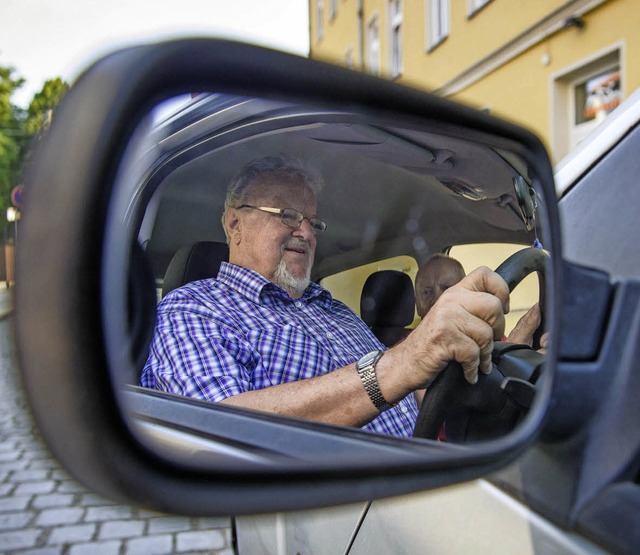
[{"x": 233, "y": 225}]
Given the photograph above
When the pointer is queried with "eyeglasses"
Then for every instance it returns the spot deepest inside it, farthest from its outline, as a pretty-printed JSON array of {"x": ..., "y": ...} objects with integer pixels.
[{"x": 290, "y": 217}]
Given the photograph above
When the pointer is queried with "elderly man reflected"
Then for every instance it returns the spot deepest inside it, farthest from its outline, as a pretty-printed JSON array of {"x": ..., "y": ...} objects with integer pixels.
[{"x": 262, "y": 336}]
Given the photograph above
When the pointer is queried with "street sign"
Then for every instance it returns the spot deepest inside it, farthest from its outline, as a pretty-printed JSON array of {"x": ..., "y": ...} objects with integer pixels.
[{"x": 16, "y": 196}]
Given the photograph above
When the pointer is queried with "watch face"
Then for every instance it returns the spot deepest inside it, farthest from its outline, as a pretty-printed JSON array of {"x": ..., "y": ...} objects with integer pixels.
[{"x": 367, "y": 359}]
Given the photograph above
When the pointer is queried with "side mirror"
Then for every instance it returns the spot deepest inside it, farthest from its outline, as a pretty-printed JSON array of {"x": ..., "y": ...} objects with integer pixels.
[{"x": 409, "y": 174}]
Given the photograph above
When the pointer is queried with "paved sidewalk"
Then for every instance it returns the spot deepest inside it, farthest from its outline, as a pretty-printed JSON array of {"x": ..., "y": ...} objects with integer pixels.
[{"x": 43, "y": 511}]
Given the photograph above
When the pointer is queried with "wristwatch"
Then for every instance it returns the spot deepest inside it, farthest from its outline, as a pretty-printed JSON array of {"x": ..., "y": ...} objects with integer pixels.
[{"x": 366, "y": 367}]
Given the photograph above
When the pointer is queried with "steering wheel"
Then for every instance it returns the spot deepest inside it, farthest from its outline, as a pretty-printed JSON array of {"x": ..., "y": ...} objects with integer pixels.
[{"x": 493, "y": 406}]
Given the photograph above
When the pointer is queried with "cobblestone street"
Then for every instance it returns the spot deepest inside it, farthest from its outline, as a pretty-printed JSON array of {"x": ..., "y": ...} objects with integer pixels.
[{"x": 44, "y": 511}]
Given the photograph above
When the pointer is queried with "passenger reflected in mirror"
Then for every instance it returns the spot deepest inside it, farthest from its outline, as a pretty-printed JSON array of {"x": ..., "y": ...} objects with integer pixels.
[
  {"x": 262, "y": 336},
  {"x": 434, "y": 277}
]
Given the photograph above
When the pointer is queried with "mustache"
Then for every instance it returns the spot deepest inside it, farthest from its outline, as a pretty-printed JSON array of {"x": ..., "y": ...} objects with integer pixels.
[{"x": 296, "y": 243}]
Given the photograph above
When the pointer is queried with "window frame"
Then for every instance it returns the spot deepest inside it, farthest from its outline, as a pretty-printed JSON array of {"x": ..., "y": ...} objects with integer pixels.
[
  {"x": 319, "y": 20},
  {"x": 565, "y": 134},
  {"x": 437, "y": 11},
  {"x": 374, "y": 54},
  {"x": 333, "y": 9},
  {"x": 475, "y": 6},
  {"x": 395, "y": 13},
  {"x": 348, "y": 58}
]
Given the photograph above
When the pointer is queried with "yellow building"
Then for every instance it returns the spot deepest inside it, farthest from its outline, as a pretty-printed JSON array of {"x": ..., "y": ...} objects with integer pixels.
[{"x": 556, "y": 67}]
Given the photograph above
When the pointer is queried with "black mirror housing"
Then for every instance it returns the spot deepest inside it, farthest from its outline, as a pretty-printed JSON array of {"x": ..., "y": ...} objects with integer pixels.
[{"x": 70, "y": 331}]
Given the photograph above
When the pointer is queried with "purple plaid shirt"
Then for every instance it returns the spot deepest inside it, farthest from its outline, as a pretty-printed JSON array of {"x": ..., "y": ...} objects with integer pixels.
[{"x": 219, "y": 337}]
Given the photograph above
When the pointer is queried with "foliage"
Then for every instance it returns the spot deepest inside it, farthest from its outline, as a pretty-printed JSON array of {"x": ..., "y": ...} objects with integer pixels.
[
  {"x": 41, "y": 108},
  {"x": 19, "y": 129},
  {"x": 12, "y": 137}
]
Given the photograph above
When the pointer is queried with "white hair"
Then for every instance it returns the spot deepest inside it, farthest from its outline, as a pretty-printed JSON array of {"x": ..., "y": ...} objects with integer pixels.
[{"x": 278, "y": 165}]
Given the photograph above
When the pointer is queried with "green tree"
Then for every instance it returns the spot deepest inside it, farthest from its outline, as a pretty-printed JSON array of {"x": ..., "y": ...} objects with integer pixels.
[
  {"x": 20, "y": 129},
  {"x": 13, "y": 138},
  {"x": 41, "y": 109}
]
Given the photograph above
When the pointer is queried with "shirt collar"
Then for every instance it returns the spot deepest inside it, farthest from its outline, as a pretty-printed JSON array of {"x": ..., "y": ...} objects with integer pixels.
[{"x": 259, "y": 289}]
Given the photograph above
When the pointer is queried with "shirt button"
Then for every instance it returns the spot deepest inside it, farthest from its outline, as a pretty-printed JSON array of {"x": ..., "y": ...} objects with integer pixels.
[
  {"x": 404, "y": 409},
  {"x": 298, "y": 304},
  {"x": 329, "y": 335}
]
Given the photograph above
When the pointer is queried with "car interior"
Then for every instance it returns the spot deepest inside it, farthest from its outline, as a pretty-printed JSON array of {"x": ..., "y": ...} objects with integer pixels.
[
  {"x": 394, "y": 194},
  {"x": 389, "y": 190}
]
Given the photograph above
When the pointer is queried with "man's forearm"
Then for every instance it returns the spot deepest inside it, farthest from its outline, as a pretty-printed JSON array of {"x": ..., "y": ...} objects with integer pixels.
[{"x": 335, "y": 398}]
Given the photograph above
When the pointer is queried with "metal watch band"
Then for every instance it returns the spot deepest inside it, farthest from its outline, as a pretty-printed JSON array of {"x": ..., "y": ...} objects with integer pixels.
[{"x": 366, "y": 367}]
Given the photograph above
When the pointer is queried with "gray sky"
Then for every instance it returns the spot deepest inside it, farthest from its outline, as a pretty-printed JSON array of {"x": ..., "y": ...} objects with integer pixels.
[{"x": 43, "y": 39}]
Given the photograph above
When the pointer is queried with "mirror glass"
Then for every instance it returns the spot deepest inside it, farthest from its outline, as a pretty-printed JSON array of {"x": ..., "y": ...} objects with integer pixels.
[{"x": 395, "y": 192}]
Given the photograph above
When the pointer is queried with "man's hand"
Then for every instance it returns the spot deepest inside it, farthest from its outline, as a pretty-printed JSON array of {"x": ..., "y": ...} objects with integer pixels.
[
  {"x": 523, "y": 331},
  {"x": 525, "y": 328},
  {"x": 461, "y": 326}
]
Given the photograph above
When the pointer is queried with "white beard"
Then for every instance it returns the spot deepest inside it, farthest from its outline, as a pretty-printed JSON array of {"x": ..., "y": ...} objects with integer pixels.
[{"x": 295, "y": 286}]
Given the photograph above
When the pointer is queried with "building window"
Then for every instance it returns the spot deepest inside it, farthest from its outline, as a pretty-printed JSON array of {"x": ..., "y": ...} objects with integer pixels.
[
  {"x": 333, "y": 9},
  {"x": 348, "y": 58},
  {"x": 373, "y": 46},
  {"x": 474, "y": 6},
  {"x": 582, "y": 98},
  {"x": 592, "y": 97},
  {"x": 395, "y": 33},
  {"x": 438, "y": 22},
  {"x": 319, "y": 19},
  {"x": 596, "y": 97}
]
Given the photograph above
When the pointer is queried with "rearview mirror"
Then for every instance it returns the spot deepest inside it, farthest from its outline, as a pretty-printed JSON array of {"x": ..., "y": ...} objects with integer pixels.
[{"x": 143, "y": 174}]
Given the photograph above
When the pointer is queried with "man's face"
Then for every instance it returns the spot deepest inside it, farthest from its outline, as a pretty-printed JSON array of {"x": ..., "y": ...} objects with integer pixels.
[
  {"x": 261, "y": 242},
  {"x": 433, "y": 279}
]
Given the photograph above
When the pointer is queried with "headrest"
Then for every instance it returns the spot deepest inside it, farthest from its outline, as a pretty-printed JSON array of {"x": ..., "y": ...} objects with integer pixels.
[
  {"x": 387, "y": 299},
  {"x": 192, "y": 262}
]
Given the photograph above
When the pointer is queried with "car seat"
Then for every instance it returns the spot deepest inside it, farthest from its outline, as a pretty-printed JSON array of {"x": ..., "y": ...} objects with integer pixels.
[
  {"x": 141, "y": 308},
  {"x": 387, "y": 305},
  {"x": 193, "y": 262}
]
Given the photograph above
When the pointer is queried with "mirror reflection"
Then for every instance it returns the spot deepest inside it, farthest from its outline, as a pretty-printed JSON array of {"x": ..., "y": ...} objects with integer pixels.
[{"x": 331, "y": 266}]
